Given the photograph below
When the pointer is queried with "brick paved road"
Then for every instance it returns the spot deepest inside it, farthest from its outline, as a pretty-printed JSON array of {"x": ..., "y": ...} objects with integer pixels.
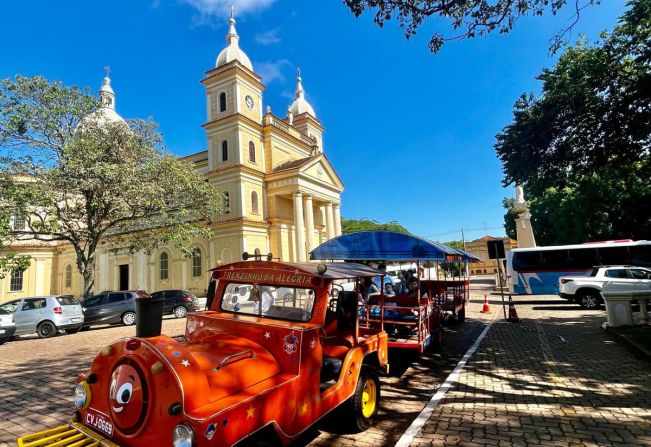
[
  {"x": 524, "y": 385},
  {"x": 554, "y": 379}
]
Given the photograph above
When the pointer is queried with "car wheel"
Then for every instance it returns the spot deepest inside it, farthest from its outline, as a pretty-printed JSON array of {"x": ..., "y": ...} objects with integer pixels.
[
  {"x": 46, "y": 329},
  {"x": 590, "y": 299},
  {"x": 365, "y": 403},
  {"x": 72, "y": 330},
  {"x": 180, "y": 312},
  {"x": 128, "y": 318}
]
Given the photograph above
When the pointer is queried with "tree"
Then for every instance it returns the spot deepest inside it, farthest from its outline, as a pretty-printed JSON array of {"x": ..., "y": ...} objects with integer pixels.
[
  {"x": 82, "y": 178},
  {"x": 582, "y": 148},
  {"x": 471, "y": 17},
  {"x": 354, "y": 225}
]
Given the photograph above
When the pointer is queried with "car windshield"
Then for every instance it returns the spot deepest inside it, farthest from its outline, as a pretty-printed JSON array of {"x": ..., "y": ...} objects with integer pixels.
[
  {"x": 283, "y": 303},
  {"x": 4, "y": 311}
]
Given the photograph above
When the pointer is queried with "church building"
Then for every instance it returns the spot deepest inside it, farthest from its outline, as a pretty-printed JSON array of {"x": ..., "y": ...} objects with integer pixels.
[{"x": 281, "y": 194}]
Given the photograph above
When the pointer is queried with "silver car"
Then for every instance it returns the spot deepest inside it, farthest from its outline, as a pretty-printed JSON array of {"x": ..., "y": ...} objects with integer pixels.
[
  {"x": 45, "y": 315},
  {"x": 7, "y": 325}
]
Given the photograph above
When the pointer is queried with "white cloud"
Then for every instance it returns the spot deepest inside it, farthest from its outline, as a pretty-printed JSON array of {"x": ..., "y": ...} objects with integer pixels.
[
  {"x": 271, "y": 71},
  {"x": 268, "y": 37},
  {"x": 210, "y": 9}
]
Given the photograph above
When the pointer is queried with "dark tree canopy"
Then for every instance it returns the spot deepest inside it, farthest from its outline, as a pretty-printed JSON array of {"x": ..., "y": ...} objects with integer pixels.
[
  {"x": 468, "y": 18},
  {"x": 582, "y": 148},
  {"x": 353, "y": 225}
]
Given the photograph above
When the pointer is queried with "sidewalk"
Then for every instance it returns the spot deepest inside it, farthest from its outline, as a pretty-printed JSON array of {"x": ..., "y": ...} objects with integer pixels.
[{"x": 554, "y": 379}]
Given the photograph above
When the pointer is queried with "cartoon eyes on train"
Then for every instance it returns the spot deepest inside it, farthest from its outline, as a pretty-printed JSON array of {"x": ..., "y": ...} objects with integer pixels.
[{"x": 127, "y": 397}]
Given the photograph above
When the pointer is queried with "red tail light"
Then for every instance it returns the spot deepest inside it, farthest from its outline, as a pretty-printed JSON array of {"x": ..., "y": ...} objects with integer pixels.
[
  {"x": 187, "y": 299},
  {"x": 58, "y": 310},
  {"x": 565, "y": 280}
]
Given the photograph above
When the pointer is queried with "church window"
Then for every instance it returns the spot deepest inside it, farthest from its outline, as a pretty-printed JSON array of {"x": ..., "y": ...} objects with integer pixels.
[
  {"x": 222, "y": 102},
  {"x": 254, "y": 203},
  {"x": 68, "y": 276},
  {"x": 19, "y": 222},
  {"x": 251, "y": 152},
  {"x": 227, "y": 203},
  {"x": 16, "y": 283},
  {"x": 164, "y": 265},
  {"x": 196, "y": 262},
  {"x": 224, "y": 150}
]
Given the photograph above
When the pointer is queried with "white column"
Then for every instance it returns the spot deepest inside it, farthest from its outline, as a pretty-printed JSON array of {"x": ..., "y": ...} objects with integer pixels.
[
  {"x": 330, "y": 224},
  {"x": 102, "y": 266},
  {"x": 299, "y": 227},
  {"x": 184, "y": 273},
  {"x": 309, "y": 223},
  {"x": 335, "y": 208},
  {"x": 213, "y": 260},
  {"x": 142, "y": 271}
]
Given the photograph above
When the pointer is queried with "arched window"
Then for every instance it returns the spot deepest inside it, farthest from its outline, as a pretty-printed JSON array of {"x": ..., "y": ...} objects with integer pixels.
[
  {"x": 224, "y": 150},
  {"x": 222, "y": 102},
  {"x": 68, "y": 277},
  {"x": 227, "y": 203},
  {"x": 254, "y": 203},
  {"x": 164, "y": 265},
  {"x": 196, "y": 262},
  {"x": 251, "y": 152}
]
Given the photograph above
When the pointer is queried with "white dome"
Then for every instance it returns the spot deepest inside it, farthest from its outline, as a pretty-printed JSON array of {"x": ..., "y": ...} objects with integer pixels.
[
  {"x": 300, "y": 104},
  {"x": 232, "y": 52},
  {"x": 106, "y": 113}
]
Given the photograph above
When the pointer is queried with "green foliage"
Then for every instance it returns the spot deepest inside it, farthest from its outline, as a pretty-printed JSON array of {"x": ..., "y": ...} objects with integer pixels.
[
  {"x": 582, "y": 149},
  {"x": 512, "y": 212},
  {"x": 469, "y": 18},
  {"x": 81, "y": 178},
  {"x": 354, "y": 225},
  {"x": 456, "y": 245}
]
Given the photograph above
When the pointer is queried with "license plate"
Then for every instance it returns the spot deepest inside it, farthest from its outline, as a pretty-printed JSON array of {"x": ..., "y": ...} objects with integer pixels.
[{"x": 99, "y": 421}]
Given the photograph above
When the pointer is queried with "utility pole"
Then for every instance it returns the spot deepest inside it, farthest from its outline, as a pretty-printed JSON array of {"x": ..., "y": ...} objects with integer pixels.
[{"x": 463, "y": 240}]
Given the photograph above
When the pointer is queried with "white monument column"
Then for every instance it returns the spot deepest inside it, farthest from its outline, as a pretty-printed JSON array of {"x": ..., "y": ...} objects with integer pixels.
[
  {"x": 523, "y": 227},
  {"x": 330, "y": 221},
  {"x": 299, "y": 227},
  {"x": 309, "y": 223},
  {"x": 335, "y": 208}
]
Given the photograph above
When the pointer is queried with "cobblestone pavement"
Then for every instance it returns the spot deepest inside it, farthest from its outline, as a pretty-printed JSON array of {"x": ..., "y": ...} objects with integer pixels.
[{"x": 554, "y": 379}]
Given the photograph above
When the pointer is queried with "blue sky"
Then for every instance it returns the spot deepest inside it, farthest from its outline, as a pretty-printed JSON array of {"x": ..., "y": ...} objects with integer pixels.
[{"x": 410, "y": 133}]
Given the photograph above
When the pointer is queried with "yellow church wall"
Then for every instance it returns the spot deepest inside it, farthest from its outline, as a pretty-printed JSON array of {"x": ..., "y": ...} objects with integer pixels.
[
  {"x": 37, "y": 279},
  {"x": 246, "y": 137},
  {"x": 249, "y": 188},
  {"x": 254, "y": 114},
  {"x": 215, "y": 139}
]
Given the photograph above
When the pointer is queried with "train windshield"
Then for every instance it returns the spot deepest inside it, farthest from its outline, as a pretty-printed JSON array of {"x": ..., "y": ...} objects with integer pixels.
[{"x": 283, "y": 303}]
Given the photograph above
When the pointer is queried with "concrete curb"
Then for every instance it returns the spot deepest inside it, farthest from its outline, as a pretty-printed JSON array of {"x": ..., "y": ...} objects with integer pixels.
[{"x": 639, "y": 351}]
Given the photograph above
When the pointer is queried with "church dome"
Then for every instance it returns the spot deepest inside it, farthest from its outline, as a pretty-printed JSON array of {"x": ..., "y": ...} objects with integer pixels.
[
  {"x": 300, "y": 104},
  {"x": 106, "y": 112},
  {"x": 232, "y": 52}
]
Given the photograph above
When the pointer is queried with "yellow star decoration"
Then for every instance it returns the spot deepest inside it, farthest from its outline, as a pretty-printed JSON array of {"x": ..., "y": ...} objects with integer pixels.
[
  {"x": 303, "y": 407},
  {"x": 170, "y": 347},
  {"x": 249, "y": 412}
]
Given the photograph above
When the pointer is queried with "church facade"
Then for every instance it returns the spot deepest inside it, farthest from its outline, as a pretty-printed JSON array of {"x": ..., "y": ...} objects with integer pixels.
[{"x": 281, "y": 194}]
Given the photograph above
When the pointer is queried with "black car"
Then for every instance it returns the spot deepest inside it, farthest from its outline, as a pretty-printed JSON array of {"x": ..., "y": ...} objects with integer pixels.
[
  {"x": 177, "y": 302},
  {"x": 112, "y": 307}
]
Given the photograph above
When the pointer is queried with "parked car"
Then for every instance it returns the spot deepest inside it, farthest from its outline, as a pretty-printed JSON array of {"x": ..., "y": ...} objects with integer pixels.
[
  {"x": 7, "y": 325},
  {"x": 177, "y": 302},
  {"x": 45, "y": 315},
  {"x": 586, "y": 290},
  {"x": 112, "y": 307}
]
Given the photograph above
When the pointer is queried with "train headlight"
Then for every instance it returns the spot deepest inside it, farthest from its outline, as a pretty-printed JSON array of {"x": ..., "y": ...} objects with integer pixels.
[
  {"x": 183, "y": 436},
  {"x": 82, "y": 395}
]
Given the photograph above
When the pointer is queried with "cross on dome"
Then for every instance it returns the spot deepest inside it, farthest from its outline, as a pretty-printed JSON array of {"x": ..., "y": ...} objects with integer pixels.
[
  {"x": 232, "y": 52},
  {"x": 300, "y": 104}
]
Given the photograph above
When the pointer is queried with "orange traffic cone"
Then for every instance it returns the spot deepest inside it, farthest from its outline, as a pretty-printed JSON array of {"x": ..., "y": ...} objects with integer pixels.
[
  {"x": 485, "y": 309},
  {"x": 513, "y": 315}
]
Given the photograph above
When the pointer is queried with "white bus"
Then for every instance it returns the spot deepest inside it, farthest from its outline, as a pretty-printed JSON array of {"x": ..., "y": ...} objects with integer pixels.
[{"x": 535, "y": 271}]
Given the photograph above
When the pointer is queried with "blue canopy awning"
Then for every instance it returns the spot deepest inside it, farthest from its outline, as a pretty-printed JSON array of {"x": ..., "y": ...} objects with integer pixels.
[{"x": 386, "y": 246}]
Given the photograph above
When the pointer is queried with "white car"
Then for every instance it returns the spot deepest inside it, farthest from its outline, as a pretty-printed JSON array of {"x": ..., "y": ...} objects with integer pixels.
[
  {"x": 586, "y": 290},
  {"x": 7, "y": 325}
]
